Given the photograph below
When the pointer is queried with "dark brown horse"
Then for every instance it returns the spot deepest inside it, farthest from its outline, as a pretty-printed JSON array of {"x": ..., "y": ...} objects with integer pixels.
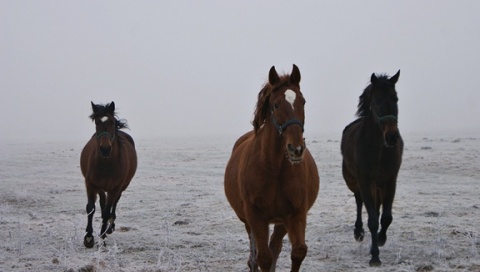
[
  {"x": 372, "y": 153},
  {"x": 271, "y": 177},
  {"x": 108, "y": 162}
]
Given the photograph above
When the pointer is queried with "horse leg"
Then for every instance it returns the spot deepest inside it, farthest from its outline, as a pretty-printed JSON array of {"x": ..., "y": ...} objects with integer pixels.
[
  {"x": 296, "y": 233},
  {"x": 252, "y": 259},
  {"x": 88, "y": 240},
  {"x": 102, "y": 200},
  {"x": 359, "y": 232},
  {"x": 113, "y": 215},
  {"x": 372, "y": 211},
  {"x": 387, "y": 217},
  {"x": 276, "y": 243},
  {"x": 259, "y": 230},
  {"x": 106, "y": 214}
]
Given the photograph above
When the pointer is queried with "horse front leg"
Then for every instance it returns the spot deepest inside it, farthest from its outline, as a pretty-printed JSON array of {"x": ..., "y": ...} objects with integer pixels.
[
  {"x": 276, "y": 243},
  {"x": 107, "y": 219},
  {"x": 387, "y": 218},
  {"x": 113, "y": 216},
  {"x": 259, "y": 231},
  {"x": 252, "y": 259},
  {"x": 359, "y": 232},
  {"x": 372, "y": 211},
  {"x": 296, "y": 227},
  {"x": 88, "y": 240}
]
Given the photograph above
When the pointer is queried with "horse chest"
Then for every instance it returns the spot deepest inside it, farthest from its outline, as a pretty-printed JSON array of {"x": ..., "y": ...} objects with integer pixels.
[
  {"x": 275, "y": 198},
  {"x": 106, "y": 176}
]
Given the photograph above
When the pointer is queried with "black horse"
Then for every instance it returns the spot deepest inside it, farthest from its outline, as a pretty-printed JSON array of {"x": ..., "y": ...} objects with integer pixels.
[{"x": 372, "y": 153}]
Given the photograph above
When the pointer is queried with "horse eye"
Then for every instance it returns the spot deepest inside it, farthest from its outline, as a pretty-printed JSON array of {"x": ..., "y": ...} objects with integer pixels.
[{"x": 275, "y": 106}]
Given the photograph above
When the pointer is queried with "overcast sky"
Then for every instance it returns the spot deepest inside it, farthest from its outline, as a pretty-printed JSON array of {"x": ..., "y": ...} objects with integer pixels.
[{"x": 191, "y": 68}]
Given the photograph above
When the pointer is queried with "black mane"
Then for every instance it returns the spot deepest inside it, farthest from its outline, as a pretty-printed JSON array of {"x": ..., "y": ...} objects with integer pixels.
[
  {"x": 102, "y": 110},
  {"x": 364, "y": 101}
]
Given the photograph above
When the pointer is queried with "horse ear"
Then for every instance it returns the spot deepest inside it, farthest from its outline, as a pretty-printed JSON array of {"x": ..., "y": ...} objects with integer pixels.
[
  {"x": 94, "y": 107},
  {"x": 373, "y": 78},
  {"x": 394, "y": 78},
  {"x": 273, "y": 77},
  {"x": 295, "y": 76},
  {"x": 111, "y": 107}
]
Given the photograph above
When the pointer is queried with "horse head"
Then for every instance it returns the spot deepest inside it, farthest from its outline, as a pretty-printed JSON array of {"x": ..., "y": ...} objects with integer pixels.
[
  {"x": 106, "y": 126},
  {"x": 383, "y": 106},
  {"x": 282, "y": 102}
]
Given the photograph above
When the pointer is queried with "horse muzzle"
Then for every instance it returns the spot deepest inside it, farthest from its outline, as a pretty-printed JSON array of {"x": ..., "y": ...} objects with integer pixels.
[
  {"x": 105, "y": 151},
  {"x": 295, "y": 153},
  {"x": 390, "y": 130},
  {"x": 391, "y": 138}
]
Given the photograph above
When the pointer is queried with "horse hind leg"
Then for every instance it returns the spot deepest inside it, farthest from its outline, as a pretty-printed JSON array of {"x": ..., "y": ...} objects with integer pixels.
[
  {"x": 276, "y": 243},
  {"x": 359, "y": 232}
]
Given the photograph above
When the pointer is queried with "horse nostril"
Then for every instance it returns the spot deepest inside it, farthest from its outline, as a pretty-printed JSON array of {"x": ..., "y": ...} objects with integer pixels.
[
  {"x": 299, "y": 150},
  {"x": 291, "y": 148},
  {"x": 295, "y": 150},
  {"x": 391, "y": 139}
]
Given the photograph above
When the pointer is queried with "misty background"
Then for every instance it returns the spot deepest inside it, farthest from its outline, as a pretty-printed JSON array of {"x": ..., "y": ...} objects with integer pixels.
[{"x": 188, "y": 68}]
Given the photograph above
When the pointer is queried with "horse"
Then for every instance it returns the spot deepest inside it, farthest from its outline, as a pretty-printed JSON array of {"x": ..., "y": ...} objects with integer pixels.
[
  {"x": 108, "y": 162},
  {"x": 271, "y": 177},
  {"x": 372, "y": 150}
]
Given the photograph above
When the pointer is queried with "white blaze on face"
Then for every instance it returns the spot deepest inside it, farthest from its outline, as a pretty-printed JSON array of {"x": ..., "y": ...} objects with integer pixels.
[
  {"x": 290, "y": 97},
  {"x": 104, "y": 119}
]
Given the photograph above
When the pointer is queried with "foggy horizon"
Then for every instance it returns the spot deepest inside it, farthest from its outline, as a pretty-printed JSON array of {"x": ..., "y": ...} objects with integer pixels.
[{"x": 195, "y": 68}]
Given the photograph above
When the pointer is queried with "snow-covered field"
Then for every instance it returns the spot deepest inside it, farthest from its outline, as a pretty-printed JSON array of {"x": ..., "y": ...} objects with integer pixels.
[{"x": 174, "y": 216}]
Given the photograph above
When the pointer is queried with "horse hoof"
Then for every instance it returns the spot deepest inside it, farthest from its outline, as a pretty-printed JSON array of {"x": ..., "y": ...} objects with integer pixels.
[
  {"x": 382, "y": 238},
  {"x": 111, "y": 228},
  {"x": 359, "y": 234},
  {"x": 102, "y": 244},
  {"x": 88, "y": 241},
  {"x": 375, "y": 262}
]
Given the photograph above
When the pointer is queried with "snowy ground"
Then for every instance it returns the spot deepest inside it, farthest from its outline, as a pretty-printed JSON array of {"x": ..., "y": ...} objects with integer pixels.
[{"x": 174, "y": 216}]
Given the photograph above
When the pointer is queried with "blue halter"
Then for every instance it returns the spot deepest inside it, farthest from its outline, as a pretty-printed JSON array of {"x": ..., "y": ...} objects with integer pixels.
[{"x": 284, "y": 126}]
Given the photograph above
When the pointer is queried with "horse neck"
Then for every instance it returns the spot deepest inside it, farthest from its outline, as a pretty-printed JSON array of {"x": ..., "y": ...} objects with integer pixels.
[
  {"x": 271, "y": 145},
  {"x": 371, "y": 131}
]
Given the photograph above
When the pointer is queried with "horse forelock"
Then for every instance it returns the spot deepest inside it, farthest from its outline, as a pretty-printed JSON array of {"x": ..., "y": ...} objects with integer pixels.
[
  {"x": 262, "y": 109},
  {"x": 103, "y": 110},
  {"x": 365, "y": 99}
]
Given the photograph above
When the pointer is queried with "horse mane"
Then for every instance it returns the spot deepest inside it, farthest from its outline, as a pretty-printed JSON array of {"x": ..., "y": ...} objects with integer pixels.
[
  {"x": 102, "y": 110},
  {"x": 263, "y": 108},
  {"x": 364, "y": 101}
]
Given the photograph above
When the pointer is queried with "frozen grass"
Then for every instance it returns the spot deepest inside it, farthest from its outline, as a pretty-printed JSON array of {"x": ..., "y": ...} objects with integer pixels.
[{"x": 174, "y": 216}]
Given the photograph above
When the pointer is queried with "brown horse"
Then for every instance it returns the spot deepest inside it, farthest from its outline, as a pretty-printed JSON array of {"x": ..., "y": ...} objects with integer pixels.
[
  {"x": 271, "y": 177},
  {"x": 372, "y": 153},
  {"x": 108, "y": 162}
]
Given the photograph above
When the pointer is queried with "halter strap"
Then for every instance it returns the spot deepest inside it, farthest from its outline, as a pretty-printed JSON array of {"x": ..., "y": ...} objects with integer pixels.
[
  {"x": 383, "y": 118},
  {"x": 284, "y": 126},
  {"x": 380, "y": 119},
  {"x": 105, "y": 133}
]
